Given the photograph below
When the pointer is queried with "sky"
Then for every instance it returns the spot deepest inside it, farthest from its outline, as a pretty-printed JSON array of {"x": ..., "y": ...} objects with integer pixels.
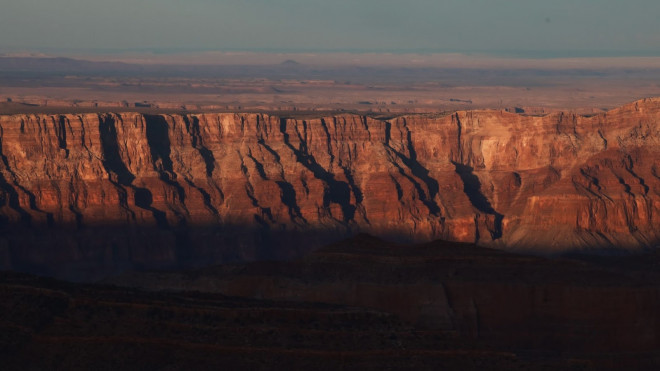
[{"x": 525, "y": 27}]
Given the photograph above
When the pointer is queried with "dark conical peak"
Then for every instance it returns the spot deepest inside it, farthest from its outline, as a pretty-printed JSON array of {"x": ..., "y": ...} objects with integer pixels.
[{"x": 290, "y": 63}]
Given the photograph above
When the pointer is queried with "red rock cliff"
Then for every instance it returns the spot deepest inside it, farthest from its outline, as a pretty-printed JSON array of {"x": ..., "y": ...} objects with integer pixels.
[{"x": 130, "y": 188}]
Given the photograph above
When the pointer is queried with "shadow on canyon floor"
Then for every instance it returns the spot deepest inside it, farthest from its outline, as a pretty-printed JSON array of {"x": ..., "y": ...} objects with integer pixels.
[
  {"x": 362, "y": 303},
  {"x": 89, "y": 253}
]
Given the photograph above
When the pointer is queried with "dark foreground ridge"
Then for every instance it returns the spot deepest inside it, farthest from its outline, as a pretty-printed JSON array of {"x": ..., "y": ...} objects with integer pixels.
[{"x": 359, "y": 304}]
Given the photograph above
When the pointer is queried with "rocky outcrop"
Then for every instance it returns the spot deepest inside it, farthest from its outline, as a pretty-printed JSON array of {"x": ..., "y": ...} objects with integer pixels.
[{"x": 130, "y": 190}]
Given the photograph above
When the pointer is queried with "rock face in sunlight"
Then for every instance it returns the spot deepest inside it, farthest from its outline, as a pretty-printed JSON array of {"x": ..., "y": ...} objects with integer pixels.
[{"x": 126, "y": 189}]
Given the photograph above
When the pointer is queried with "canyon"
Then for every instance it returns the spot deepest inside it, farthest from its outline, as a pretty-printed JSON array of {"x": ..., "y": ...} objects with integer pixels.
[{"x": 86, "y": 195}]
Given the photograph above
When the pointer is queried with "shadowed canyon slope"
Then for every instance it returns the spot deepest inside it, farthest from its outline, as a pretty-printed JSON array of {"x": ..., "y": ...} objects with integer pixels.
[
  {"x": 360, "y": 304},
  {"x": 130, "y": 190},
  {"x": 596, "y": 310}
]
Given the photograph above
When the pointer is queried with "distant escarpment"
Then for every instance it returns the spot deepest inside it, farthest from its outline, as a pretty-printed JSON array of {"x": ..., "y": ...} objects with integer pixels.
[{"x": 104, "y": 192}]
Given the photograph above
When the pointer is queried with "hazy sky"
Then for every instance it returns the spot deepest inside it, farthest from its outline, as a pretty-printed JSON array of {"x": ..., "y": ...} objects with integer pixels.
[{"x": 627, "y": 27}]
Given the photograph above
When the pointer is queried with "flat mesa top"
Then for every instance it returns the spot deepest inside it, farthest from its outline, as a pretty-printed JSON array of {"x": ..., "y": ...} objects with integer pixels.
[{"x": 10, "y": 108}]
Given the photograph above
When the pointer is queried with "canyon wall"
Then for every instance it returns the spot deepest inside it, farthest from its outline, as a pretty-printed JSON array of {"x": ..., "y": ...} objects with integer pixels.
[{"x": 127, "y": 190}]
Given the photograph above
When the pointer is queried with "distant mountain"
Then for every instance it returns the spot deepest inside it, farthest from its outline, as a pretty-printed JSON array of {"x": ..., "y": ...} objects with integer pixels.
[{"x": 290, "y": 63}]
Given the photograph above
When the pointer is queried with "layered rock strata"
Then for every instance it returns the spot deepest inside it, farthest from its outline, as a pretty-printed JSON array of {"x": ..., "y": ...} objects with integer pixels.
[{"x": 129, "y": 190}]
